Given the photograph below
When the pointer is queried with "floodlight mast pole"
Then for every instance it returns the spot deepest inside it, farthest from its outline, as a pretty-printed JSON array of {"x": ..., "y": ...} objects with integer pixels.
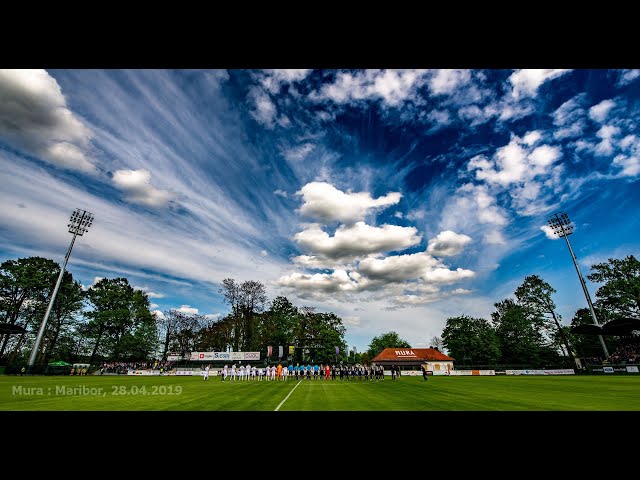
[
  {"x": 558, "y": 224},
  {"x": 79, "y": 223}
]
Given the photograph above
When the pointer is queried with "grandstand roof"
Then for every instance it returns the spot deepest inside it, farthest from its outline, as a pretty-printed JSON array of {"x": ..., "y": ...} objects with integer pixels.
[
  {"x": 619, "y": 326},
  {"x": 412, "y": 355}
]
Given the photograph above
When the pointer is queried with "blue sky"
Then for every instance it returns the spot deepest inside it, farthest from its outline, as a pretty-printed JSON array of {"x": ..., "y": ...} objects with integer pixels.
[{"x": 394, "y": 198}]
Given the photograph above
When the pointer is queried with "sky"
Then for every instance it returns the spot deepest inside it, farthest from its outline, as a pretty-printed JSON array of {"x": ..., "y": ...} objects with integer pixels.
[{"x": 393, "y": 198}]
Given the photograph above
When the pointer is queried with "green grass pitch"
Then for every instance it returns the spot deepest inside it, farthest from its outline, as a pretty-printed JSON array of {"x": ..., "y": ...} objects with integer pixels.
[{"x": 121, "y": 393}]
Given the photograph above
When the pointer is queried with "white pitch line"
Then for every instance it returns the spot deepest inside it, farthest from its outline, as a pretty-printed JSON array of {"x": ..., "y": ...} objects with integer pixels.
[{"x": 285, "y": 398}]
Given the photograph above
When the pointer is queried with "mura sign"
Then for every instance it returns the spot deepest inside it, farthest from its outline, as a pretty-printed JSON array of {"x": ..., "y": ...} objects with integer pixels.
[{"x": 405, "y": 353}]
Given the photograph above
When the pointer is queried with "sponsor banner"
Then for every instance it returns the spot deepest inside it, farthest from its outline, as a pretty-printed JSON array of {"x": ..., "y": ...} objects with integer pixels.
[
  {"x": 174, "y": 358},
  {"x": 411, "y": 373},
  {"x": 143, "y": 372},
  {"x": 632, "y": 369},
  {"x": 184, "y": 372},
  {"x": 607, "y": 369},
  {"x": 460, "y": 372},
  {"x": 486, "y": 372},
  {"x": 224, "y": 356},
  {"x": 560, "y": 371}
]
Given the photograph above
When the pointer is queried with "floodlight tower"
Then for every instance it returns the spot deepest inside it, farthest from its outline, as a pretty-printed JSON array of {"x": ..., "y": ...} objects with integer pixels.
[
  {"x": 561, "y": 226},
  {"x": 79, "y": 224}
]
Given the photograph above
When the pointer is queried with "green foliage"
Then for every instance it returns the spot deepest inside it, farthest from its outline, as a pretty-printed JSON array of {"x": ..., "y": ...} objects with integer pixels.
[
  {"x": 620, "y": 294},
  {"x": 386, "y": 340},
  {"x": 118, "y": 313},
  {"x": 471, "y": 338}
]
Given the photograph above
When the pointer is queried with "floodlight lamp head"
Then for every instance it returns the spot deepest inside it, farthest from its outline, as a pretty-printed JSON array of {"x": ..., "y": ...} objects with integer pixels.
[
  {"x": 560, "y": 224},
  {"x": 80, "y": 222}
]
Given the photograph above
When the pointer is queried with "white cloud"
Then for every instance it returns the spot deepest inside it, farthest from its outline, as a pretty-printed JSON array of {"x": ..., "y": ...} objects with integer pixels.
[
  {"x": 299, "y": 153},
  {"x": 599, "y": 112},
  {"x": 445, "y": 276},
  {"x": 188, "y": 309},
  {"x": 393, "y": 87},
  {"x": 606, "y": 134},
  {"x": 281, "y": 193},
  {"x": 159, "y": 314},
  {"x": 350, "y": 241},
  {"x": 398, "y": 214},
  {"x": 263, "y": 253},
  {"x": 338, "y": 281},
  {"x": 34, "y": 118},
  {"x": 96, "y": 280},
  {"x": 494, "y": 237},
  {"x": 273, "y": 80},
  {"x": 323, "y": 201},
  {"x": 265, "y": 110},
  {"x": 398, "y": 268},
  {"x": 447, "y": 244},
  {"x": 627, "y": 76},
  {"x": 548, "y": 231},
  {"x": 153, "y": 305},
  {"x": 526, "y": 82},
  {"x": 149, "y": 293},
  {"x": 629, "y": 165},
  {"x": 138, "y": 189},
  {"x": 447, "y": 81},
  {"x": 532, "y": 137},
  {"x": 351, "y": 320}
]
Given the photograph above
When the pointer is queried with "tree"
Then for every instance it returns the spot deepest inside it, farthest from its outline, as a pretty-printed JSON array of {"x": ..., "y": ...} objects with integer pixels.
[
  {"x": 535, "y": 295},
  {"x": 386, "y": 340},
  {"x": 63, "y": 317},
  {"x": 23, "y": 282},
  {"x": 620, "y": 294},
  {"x": 436, "y": 342},
  {"x": 247, "y": 300},
  {"x": 519, "y": 334},
  {"x": 468, "y": 337},
  {"x": 120, "y": 318}
]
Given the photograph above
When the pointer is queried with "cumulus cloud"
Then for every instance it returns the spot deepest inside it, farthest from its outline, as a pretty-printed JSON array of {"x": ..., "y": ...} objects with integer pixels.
[
  {"x": 570, "y": 118},
  {"x": 606, "y": 135},
  {"x": 398, "y": 268},
  {"x": 629, "y": 165},
  {"x": 34, "y": 118},
  {"x": 325, "y": 202},
  {"x": 188, "y": 309},
  {"x": 338, "y": 281},
  {"x": 351, "y": 320},
  {"x": 548, "y": 231},
  {"x": 273, "y": 80},
  {"x": 392, "y": 87},
  {"x": 138, "y": 189},
  {"x": 263, "y": 253},
  {"x": 526, "y": 82},
  {"x": 627, "y": 76},
  {"x": 447, "y": 244},
  {"x": 159, "y": 314},
  {"x": 514, "y": 163},
  {"x": 447, "y": 81},
  {"x": 599, "y": 112},
  {"x": 351, "y": 241},
  {"x": 264, "y": 109}
]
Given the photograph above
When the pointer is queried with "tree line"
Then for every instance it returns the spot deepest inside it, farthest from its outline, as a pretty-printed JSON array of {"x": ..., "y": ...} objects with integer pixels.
[
  {"x": 112, "y": 321},
  {"x": 527, "y": 329}
]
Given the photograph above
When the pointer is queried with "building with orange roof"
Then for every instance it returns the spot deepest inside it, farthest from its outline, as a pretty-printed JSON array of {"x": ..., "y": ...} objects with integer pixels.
[{"x": 411, "y": 359}]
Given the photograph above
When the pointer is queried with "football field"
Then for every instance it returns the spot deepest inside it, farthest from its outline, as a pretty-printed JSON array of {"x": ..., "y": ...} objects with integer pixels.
[{"x": 440, "y": 393}]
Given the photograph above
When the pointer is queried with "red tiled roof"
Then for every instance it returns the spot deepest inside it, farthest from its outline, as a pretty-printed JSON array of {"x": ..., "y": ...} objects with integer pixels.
[{"x": 420, "y": 354}]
